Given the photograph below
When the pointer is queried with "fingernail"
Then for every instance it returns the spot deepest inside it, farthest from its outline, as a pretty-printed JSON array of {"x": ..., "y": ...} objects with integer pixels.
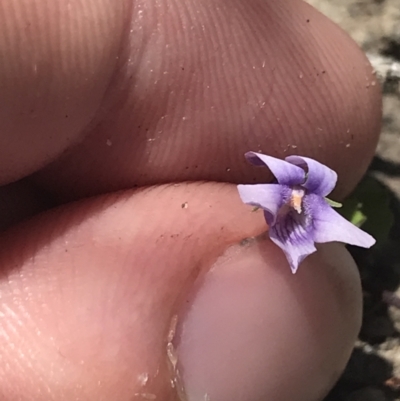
[
  {"x": 251, "y": 326},
  {"x": 225, "y": 331}
]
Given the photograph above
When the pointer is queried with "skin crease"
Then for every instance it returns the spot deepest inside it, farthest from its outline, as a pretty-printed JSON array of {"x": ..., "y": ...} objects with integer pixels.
[{"x": 158, "y": 92}]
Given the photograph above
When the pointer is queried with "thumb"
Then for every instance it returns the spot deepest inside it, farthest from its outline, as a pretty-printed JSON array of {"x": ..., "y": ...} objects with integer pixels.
[{"x": 91, "y": 295}]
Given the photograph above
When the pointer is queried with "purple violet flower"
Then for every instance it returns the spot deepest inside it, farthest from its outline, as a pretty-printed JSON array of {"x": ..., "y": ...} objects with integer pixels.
[{"x": 295, "y": 208}]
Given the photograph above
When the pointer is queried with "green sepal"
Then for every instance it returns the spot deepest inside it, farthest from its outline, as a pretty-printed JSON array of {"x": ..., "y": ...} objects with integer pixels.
[{"x": 333, "y": 203}]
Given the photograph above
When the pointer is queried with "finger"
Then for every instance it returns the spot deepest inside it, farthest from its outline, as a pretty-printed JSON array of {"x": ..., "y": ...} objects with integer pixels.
[
  {"x": 89, "y": 293},
  {"x": 205, "y": 82},
  {"x": 57, "y": 59}
]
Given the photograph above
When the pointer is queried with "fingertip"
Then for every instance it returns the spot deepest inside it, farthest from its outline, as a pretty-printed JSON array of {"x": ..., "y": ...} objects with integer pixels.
[{"x": 57, "y": 59}]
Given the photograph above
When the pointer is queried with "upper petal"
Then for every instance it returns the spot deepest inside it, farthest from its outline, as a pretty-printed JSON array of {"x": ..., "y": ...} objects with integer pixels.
[
  {"x": 331, "y": 226},
  {"x": 294, "y": 239},
  {"x": 269, "y": 197},
  {"x": 286, "y": 173},
  {"x": 320, "y": 179}
]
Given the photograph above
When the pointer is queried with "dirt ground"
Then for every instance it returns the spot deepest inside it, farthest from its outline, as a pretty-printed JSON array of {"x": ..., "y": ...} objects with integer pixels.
[{"x": 373, "y": 373}]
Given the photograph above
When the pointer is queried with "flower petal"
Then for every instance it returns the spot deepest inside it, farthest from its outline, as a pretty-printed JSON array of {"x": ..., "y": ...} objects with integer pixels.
[
  {"x": 331, "y": 226},
  {"x": 293, "y": 238},
  {"x": 320, "y": 179},
  {"x": 286, "y": 173},
  {"x": 269, "y": 197}
]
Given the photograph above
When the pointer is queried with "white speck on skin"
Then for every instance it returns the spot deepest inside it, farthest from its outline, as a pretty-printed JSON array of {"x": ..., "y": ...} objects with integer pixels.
[
  {"x": 146, "y": 396},
  {"x": 176, "y": 381},
  {"x": 109, "y": 143},
  {"x": 172, "y": 328},
  {"x": 172, "y": 356},
  {"x": 347, "y": 145},
  {"x": 301, "y": 75},
  {"x": 143, "y": 378}
]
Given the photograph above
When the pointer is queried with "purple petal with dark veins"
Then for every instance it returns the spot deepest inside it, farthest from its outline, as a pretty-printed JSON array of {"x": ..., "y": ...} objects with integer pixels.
[
  {"x": 320, "y": 179},
  {"x": 286, "y": 173},
  {"x": 331, "y": 226},
  {"x": 294, "y": 237},
  {"x": 269, "y": 197}
]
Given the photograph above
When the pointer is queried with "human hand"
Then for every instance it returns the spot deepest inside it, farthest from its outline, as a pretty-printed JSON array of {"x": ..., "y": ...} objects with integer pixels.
[{"x": 116, "y": 95}]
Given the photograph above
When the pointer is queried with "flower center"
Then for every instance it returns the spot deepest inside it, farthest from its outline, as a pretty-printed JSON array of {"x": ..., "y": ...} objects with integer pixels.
[{"x": 296, "y": 199}]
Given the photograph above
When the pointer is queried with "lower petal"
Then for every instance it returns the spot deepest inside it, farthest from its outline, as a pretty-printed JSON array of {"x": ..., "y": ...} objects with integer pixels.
[
  {"x": 330, "y": 226},
  {"x": 294, "y": 239}
]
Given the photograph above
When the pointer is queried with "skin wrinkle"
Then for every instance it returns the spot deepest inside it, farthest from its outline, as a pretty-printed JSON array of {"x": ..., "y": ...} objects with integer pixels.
[
  {"x": 255, "y": 25},
  {"x": 184, "y": 22},
  {"x": 107, "y": 101},
  {"x": 300, "y": 95},
  {"x": 329, "y": 73},
  {"x": 332, "y": 71},
  {"x": 217, "y": 34}
]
